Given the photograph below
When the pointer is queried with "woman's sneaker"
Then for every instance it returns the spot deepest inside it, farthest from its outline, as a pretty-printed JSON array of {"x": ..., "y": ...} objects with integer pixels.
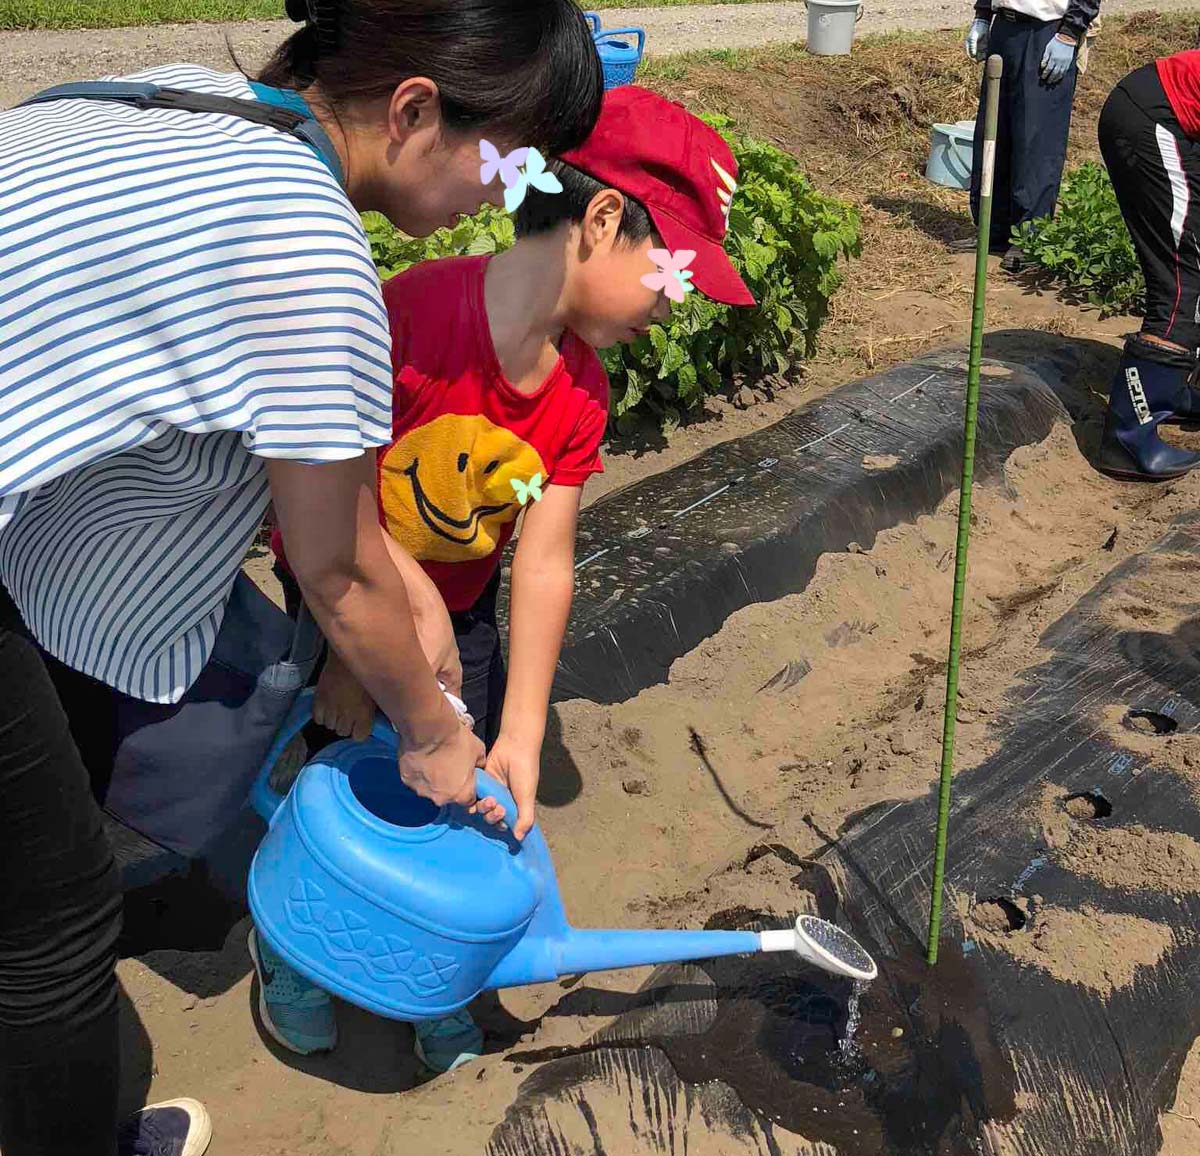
[
  {"x": 298, "y": 1014},
  {"x": 445, "y": 1044},
  {"x": 173, "y": 1128}
]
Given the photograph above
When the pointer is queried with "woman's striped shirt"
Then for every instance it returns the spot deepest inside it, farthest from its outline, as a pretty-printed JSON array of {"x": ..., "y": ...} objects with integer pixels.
[{"x": 181, "y": 296}]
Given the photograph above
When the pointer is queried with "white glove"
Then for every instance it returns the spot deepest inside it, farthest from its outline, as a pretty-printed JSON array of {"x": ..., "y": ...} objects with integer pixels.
[{"x": 977, "y": 39}]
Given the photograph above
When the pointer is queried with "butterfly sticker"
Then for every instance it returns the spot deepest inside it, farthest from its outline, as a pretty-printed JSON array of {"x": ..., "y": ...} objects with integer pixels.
[
  {"x": 673, "y": 277},
  {"x": 507, "y": 168},
  {"x": 526, "y": 490},
  {"x": 533, "y": 176}
]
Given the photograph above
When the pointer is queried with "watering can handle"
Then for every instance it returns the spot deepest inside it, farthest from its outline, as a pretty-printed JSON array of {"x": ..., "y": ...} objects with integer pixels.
[
  {"x": 266, "y": 800},
  {"x": 485, "y": 785},
  {"x": 957, "y": 148},
  {"x": 640, "y": 33},
  {"x": 593, "y": 18}
]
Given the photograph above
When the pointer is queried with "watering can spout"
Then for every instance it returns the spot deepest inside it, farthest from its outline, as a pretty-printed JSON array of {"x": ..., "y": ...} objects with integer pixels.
[
  {"x": 536, "y": 960},
  {"x": 542, "y": 958},
  {"x": 607, "y": 950}
]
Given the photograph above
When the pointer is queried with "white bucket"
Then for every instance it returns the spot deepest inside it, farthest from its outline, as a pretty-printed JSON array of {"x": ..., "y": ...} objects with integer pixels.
[{"x": 831, "y": 26}]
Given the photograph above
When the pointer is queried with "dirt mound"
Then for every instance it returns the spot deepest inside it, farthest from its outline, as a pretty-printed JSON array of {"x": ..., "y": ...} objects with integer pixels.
[
  {"x": 1136, "y": 858},
  {"x": 1087, "y": 841},
  {"x": 1098, "y": 949}
]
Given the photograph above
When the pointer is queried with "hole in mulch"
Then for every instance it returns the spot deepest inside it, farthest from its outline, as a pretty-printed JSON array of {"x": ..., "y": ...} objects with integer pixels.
[
  {"x": 1087, "y": 805},
  {"x": 1150, "y": 722},
  {"x": 999, "y": 914}
]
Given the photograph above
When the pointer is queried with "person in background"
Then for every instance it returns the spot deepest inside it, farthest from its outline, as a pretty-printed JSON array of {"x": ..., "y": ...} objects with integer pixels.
[
  {"x": 193, "y": 328},
  {"x": 499, "y": 407},
  {"x": 1039, "y": 42},
  {"x": 1150, "y": 139}
]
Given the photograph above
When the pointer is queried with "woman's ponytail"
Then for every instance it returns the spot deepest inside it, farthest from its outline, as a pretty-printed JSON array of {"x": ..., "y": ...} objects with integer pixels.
[{"x": 296, "y": 63}]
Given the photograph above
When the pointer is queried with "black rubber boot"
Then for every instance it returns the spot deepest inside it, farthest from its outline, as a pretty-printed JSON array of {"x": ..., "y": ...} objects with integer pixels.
[{"x": 1150, "y": 386}]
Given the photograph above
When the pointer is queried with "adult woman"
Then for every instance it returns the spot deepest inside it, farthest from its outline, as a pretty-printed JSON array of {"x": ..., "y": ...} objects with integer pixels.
[{"x": 191, "y": 327}]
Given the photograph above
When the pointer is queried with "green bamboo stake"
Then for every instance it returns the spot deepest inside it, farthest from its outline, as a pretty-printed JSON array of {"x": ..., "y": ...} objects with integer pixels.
[{"x": 995, "y": 68}]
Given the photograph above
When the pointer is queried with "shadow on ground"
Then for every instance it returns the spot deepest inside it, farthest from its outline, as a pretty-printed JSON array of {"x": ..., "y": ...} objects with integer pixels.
[
  {"x": 934, "y": 220},
  {"x": 1078, "y": 370}
]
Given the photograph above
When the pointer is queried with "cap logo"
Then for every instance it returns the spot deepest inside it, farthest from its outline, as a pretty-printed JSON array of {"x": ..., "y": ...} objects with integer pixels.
[{"x": 725, "y": 194}]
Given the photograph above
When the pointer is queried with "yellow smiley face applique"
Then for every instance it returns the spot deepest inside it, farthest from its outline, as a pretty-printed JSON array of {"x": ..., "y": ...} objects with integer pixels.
[{"x": 450, "y": 487}]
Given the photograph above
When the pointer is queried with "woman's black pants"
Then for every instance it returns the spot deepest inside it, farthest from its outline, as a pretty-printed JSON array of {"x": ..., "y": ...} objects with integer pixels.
[
  {"x": 1155, "y": 171},
  {"x": 60, "y": 915}
]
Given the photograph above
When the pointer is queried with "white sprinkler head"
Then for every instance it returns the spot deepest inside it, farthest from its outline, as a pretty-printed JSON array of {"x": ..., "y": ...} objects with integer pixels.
[{"x": 825, "y": 945}]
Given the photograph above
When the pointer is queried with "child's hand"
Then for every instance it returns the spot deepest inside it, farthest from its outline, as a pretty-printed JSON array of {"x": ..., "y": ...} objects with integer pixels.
[
  {"x": 517, "y": 766},
  {"x": 341, "y": 703}
]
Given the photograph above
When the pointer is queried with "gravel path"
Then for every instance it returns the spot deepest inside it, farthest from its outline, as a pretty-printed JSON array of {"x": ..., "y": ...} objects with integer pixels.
[{"x": 34, "y": 60}]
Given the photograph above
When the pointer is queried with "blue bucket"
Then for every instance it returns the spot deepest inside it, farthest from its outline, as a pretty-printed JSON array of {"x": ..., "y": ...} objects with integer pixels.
[
  {"x": 951, "y": 154},
  {"x": 619, "y": 56}
]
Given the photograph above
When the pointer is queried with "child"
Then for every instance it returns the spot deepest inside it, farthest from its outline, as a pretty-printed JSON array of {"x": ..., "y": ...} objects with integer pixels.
[{"x": 500, "y": 406}]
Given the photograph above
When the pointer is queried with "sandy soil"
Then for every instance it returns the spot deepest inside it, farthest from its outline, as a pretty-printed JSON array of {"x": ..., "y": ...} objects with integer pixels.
[
  {"x": 681, "y": 785},
  {"x": 1181, "y": 1124}
]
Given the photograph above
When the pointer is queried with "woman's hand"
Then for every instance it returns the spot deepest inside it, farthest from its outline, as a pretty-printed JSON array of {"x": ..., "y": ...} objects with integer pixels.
[
  {"x": 341, "y": 704},
  {"x": 435, "y": 770}
]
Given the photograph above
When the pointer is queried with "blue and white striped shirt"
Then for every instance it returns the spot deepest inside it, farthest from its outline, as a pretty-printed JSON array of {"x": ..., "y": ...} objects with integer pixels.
[{"x": 181, "y": 296}]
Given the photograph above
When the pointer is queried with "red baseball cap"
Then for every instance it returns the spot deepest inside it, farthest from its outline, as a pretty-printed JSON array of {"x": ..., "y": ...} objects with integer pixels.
[{"x": 657, "y": 152}]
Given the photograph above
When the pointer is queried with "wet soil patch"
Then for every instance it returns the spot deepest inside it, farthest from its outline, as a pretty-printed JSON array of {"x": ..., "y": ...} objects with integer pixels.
[{"x": 920, "y": 1073}]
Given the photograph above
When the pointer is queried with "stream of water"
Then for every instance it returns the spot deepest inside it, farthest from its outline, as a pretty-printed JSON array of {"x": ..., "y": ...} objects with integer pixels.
[{"x": 853, "y": 1019}]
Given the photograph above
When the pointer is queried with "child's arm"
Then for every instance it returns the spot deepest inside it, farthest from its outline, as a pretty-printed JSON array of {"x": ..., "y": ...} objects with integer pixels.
[{"x": 543, "y": 581}]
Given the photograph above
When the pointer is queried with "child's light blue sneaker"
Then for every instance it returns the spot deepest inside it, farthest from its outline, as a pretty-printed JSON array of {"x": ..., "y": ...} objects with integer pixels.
[
  {"x": 298, "y": 1014},
  {"x": 445, "y": 1044}
]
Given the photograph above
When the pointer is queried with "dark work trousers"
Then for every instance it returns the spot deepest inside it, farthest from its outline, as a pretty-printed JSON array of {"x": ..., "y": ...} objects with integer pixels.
[
  {"x": 1031, "y": 130},
  {"x": 1155, "y": 171},
  {"x": 60, "y": 915},
  {"x": 479, "y": 651}
]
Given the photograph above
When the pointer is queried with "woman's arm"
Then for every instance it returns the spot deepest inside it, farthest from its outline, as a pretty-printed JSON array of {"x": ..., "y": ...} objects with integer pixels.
[
  {"x": 434, "y": 628},
  {"x": 341, "y": 703},
  {"x": 329, "y": 520},
  {"x": 543, "y": 582}
]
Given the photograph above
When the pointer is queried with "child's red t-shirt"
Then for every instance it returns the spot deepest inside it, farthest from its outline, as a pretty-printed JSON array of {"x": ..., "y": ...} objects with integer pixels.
[
  {"x": 468, "y": 450},
  {"x": 462, "y": 433}
]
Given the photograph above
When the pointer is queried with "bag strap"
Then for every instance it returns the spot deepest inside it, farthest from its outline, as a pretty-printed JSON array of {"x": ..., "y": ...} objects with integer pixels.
[
  {"x": 146, "y": 95},
  {"x": 306, "y": 638}
]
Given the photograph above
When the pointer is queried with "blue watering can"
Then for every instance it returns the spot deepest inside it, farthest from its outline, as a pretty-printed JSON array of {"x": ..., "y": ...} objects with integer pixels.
[
  {"x": 618, "y": 57},
  {"x": 410, "y": 910}
]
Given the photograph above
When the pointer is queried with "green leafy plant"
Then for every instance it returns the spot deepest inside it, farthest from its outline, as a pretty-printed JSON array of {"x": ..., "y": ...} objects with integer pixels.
[
  {"x": 786, "y": 239},
  {"x": 1086, "y": 246},
  {"x": 489, "y": 231}
]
